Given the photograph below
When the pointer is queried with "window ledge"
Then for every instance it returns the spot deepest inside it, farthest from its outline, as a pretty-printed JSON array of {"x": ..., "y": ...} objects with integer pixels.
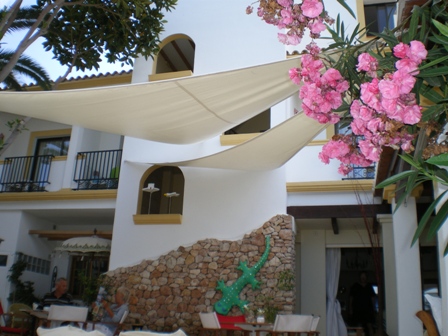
[{"x": 140, "y": 219}]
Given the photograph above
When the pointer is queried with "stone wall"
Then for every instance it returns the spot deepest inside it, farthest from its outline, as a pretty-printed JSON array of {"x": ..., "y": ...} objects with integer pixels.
[{"x": 168, "y": 293}]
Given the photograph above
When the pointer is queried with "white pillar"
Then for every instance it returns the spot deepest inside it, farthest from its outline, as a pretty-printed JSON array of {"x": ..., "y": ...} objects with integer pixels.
[
  {"x": 402, "y": 271},
  {"x": 442, "y": 238},
  {"x": 312, "y": 284}
]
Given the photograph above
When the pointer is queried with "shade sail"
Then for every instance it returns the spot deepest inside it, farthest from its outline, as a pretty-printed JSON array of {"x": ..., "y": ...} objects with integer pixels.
[
  {"x": 178, "y": 111},
  {"x": 269, "y": 150}
]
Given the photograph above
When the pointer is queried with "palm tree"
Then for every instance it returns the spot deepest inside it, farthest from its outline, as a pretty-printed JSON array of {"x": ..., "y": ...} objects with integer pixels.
[
  {"x": 26, "y": 66},
  {"x": 14, "y": 20}
]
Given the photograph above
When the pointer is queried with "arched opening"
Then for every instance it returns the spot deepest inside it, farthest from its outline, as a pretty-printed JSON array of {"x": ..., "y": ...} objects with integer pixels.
[
  {"x": 162, "y": 191},
  {"x": 176, "y": 54}
]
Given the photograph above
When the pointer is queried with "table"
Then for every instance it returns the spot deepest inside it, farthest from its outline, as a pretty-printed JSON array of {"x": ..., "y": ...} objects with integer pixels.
[{"x": 255, "y": 327}]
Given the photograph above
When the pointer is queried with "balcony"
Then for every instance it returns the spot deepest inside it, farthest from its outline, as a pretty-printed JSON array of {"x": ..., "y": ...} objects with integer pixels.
[
  {"x": 97, "y": 169},
  {"x": 361, "y": 173},
  {"x": 25, "y": 173}
]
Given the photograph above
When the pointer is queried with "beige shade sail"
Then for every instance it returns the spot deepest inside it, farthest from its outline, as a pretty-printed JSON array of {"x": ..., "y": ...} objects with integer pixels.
[
  {"x": 177, "y": 111},
  {"x": 269, "y": 150}
]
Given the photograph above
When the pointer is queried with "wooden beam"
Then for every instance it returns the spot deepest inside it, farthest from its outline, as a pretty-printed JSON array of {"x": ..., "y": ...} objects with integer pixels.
[
  {"x": 338, "y": 211},
  {"x": 63, "y": 235}
]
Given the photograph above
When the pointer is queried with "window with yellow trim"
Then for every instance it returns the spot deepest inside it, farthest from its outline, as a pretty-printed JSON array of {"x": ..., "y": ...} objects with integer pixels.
[{"x": 162, "y": 191}]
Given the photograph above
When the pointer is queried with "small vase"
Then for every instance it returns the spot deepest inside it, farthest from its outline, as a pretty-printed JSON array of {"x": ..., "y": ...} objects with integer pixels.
[{"x": 260, "y": 319}]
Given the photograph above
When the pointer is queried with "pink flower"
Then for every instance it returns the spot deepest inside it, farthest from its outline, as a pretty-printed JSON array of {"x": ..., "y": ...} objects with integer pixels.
[
  {"x": 331, "y": 77},
  {"x": 344, "y": 169},
  {"x": 389, "y": 89},
  {"x": 312, "y": 8},
  {"x": 316, "y": 27},
  {"x": 285, "y": 3},
  {"x": 369, "y": 150},
  {"x": 334, "y": 149},
  {"x": 405, "y": 80},
  {"x": 286, "y": 16},
  {"x": 407, "y": 65},
  {"x": 401, "y": 50},
  {"x": 412, "y": 114},
  {"x": 366, "y": 62},
  {"x": 295, "y": 76},
  {"x": 249, "y": 9},
  {"x": 370, "y": 94},
  {"x": 417, "y": 52}
]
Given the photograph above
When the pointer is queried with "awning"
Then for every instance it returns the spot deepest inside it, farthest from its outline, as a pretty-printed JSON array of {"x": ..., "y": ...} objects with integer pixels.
[
  {"x": 177, "y": 111},
  {"x": 269, "y": 150}
]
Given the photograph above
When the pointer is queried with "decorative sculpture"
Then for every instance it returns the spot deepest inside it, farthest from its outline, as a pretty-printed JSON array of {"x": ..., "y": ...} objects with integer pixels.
[{"x": 230, "y": 294}]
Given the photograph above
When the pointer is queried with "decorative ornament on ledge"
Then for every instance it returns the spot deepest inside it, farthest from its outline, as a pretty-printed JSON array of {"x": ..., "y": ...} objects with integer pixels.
[
  {"x": 230, "y": 294},
  {"x": 170, "y": 195},
  {"x": 151, "y": 189}
]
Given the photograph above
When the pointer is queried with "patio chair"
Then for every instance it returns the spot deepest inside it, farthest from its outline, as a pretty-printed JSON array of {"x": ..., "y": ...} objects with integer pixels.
[
  {"x": 428, "y": 322},
  {"x": 67, "y": 331},
  {"x": 210, "y": 324},
  {"x": 295, "y": 325},
  {"x": 179, "y": 332},
  {"x": 61, "y": 315},
  {"x": 15, "y": 321}
]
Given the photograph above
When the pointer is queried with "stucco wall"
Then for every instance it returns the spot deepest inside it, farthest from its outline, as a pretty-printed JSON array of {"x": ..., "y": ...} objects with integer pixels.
[{"x": 168, "y": 293}]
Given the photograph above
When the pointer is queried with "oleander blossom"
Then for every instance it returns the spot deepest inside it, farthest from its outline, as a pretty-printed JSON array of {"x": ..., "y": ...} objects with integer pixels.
[
  {"x": 295, "y": 18},
  {"x": 383, "y": 113}
]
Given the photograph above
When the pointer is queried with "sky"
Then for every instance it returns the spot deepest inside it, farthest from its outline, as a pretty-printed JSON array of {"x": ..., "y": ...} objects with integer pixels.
[{"x": 45, "y": 59}]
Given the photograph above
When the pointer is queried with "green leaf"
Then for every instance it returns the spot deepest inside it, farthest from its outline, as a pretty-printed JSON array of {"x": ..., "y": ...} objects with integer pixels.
[
  {"x": 439, "y": 160},
  {"x": 409, "y": 159},
  {"x": 394, "y": 179},
  {"x": 434, "y": 72},
  {"x": 430, "y": 64},
  {"x": 425, "y": 218},
  {"x": 438, "y": 220},
  {"x": 443, "y": 29},
  {"x": 347, "y": 7}
]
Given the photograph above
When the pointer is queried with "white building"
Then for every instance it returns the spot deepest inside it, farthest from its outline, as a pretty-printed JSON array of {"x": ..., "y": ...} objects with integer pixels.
[{"x": 220, "y": 202}]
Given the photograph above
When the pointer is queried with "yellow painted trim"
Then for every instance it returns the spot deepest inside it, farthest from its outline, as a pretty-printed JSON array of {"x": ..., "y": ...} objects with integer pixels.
[
  {"x": 389, "y": 192},
  {"x": 157, "y": 219},
  {"x": 329, "y": 186},
  {"x": 60, "y": 158},
  {"x": 45, "y": 134},
  {"x": 236, "y": 139},
  {"x": 318, "y": 142},
  {"x": 330, "y": 131},
  {"x": 61, "y": 195},
  {"x": 170, "y": 75}
]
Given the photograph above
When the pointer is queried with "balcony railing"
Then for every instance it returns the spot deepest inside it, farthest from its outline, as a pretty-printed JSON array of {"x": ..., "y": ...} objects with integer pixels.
[
  {"x": 25, "y": 173},
  {"x": 98, "y": 169},
  {"x": 361, "y": 173}
]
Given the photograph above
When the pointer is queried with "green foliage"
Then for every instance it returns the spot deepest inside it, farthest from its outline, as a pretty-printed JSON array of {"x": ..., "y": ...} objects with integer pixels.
[
  {"x": 267, "y": 305},
  {"x": 286, "y": 280},
  {"x": 121, "y": 30},
  {"x": 23, "y": 291},
  {"x": 90, "y": 286}
]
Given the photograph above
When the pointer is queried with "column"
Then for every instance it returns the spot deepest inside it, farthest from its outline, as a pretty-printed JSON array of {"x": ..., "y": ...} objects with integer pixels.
[{"x": 402, "y": 271}]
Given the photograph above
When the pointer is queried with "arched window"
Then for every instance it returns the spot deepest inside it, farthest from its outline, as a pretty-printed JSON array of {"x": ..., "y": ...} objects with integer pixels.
[
  {"x": 162, "y": 191},
  {"x": 176, "y": 54}
]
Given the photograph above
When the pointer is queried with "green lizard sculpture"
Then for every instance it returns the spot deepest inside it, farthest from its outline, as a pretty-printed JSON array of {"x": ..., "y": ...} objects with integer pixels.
[{"x": 230, "y": 294}]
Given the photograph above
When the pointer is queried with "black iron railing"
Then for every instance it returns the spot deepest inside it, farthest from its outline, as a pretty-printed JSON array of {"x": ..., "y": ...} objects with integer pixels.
[
  {"x": 361, "y": 173},
  {"x": 25, "y": 173},
  {"x": 98, "y": 169}
]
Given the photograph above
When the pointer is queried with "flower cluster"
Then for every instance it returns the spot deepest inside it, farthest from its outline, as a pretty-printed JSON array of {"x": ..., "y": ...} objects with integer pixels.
[
  {"x": 295, "y": 18},
  {"x": 383, "y": 113},
  {"x": 320, "y": 93}
]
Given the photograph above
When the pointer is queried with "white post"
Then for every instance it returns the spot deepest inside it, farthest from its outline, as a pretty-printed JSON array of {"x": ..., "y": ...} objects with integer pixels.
[{"x": 402, "y": 272}]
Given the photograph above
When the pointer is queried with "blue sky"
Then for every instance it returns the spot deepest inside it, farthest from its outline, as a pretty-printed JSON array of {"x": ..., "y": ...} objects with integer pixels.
[{"x": 45, "y": 59}]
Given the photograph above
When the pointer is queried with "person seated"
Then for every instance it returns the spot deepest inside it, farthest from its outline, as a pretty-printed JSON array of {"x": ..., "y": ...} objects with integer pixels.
[
  {"x": 58, "y": 296},
  {"x": 113, "y": 313}
]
